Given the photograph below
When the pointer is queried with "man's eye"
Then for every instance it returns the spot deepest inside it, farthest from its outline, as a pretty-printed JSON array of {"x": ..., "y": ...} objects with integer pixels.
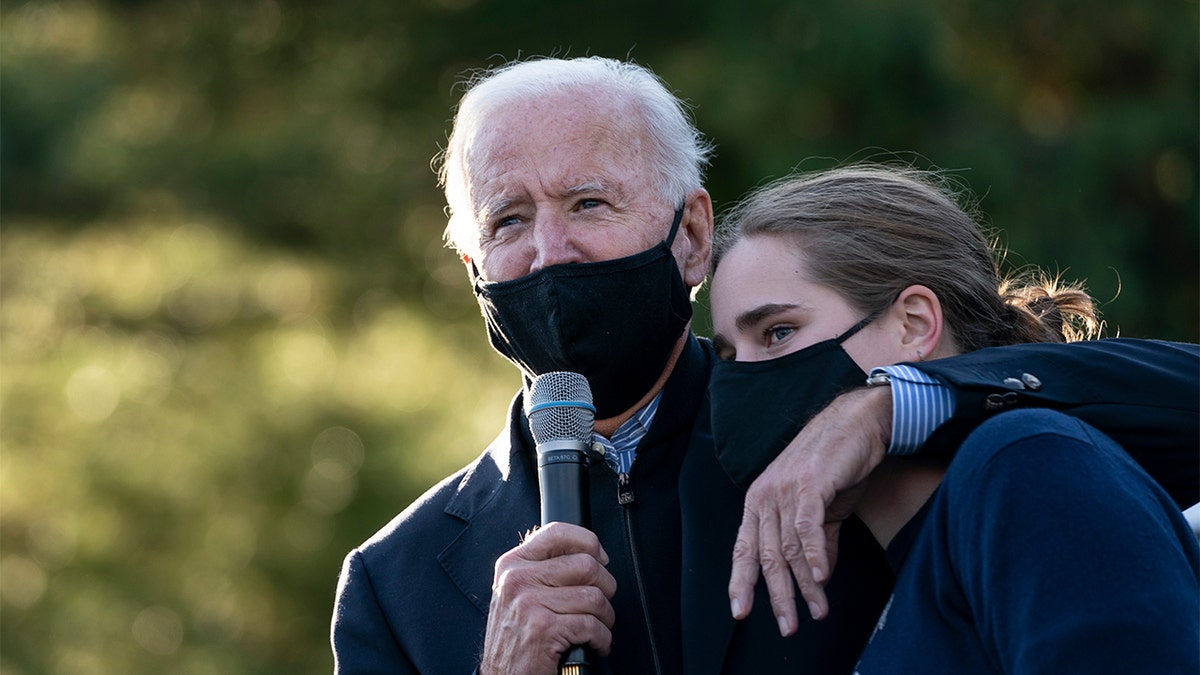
[
  {"x": 506, "y": 221},
  {"x": 589, "y": 203}
]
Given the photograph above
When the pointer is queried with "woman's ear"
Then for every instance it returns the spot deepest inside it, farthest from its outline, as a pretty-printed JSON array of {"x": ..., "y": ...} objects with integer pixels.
[
  {"x": 696, "y": 231},
  {"x": 922, "y": 330}
]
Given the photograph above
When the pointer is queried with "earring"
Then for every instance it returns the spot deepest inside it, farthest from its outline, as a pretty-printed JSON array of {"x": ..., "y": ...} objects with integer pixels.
[{"x": 920, "y": 356}]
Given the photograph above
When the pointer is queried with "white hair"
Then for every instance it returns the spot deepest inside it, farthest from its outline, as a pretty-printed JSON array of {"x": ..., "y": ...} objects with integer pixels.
[{"x": 678, "y": 151}]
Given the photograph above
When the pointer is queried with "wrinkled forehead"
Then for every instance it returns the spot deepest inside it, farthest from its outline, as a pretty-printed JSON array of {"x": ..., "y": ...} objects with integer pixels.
[
  {"x": 575, "y": 134},
  {"x": 542, "y": 126},
  {"x": 512, "y": 123},
  {"x": 557, "y": 143}
]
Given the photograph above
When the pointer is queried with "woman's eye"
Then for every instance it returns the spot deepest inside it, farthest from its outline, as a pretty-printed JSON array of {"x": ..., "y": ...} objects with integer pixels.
[
  {"x": 506, "y": 221},
  {"x": 589, "y": 203},
  {"x": 778, "y": 334}
]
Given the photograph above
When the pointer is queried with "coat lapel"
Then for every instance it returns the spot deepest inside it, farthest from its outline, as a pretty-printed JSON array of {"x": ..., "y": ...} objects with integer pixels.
[
  {"x": 498, "y": 503},
  {"x": 711, "y": 507}
]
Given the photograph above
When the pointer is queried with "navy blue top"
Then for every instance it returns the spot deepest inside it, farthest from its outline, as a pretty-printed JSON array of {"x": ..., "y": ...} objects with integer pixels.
[{"x": 1046, "y": 549}]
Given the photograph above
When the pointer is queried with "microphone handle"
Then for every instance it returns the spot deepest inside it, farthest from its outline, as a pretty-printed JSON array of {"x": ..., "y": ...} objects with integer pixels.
[{"x": 563, "y": 475}]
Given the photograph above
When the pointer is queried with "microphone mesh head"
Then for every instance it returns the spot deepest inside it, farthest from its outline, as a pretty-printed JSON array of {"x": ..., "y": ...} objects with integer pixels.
[{"x": 554, "y": 399}]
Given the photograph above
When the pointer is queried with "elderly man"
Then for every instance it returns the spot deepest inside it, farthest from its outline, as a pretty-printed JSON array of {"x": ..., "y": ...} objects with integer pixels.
[{"x": 577, "y": 206}]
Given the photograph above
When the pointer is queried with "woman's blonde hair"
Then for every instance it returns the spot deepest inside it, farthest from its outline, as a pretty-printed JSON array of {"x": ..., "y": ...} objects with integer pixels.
[{"x": 869, "y": 231}]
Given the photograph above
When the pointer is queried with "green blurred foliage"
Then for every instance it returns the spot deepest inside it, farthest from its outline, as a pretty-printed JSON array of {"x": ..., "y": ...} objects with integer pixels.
[{"x": 233, "y": 345}]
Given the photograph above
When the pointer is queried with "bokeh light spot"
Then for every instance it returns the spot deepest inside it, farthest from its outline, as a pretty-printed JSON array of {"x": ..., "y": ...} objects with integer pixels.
[
  {"x": 298, "y": 358},
  {"x": 159, "y": 630},
  {"x": 93, "y": 393},
  {"x": 341, "y": 446},
  {"x": 285, "y": 290},
  {"x": 22, "y": 581},
  {"x": 53, "y": 541}
]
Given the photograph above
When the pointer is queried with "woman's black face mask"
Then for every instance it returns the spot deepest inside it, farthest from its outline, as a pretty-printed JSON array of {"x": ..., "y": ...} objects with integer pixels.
[
  {"x": 758, "y": 407},
  {"x": 615, "y": 322}
]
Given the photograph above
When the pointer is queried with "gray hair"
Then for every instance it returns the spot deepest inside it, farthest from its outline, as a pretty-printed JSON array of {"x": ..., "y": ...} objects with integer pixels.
[{"x": 678, "y": 151}]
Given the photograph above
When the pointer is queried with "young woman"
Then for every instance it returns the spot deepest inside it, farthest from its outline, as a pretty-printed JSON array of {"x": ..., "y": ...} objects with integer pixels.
[{"x": 1042, "y": 547}]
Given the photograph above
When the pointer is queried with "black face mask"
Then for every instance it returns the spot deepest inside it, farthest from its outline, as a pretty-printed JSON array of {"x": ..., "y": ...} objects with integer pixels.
[
  {"x": 615, "y": 322},
  {"x": 758, "y": 407}
]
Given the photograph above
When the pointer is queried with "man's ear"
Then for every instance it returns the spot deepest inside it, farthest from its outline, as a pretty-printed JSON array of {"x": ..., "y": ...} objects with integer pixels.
[
  {"x": 923, "y": 333},
  {"x": 451, "y": 238},
  {"x": 696, "y": 232}
]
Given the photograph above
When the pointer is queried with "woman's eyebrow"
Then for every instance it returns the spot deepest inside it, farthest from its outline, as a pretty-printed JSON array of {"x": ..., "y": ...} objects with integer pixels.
[{"x": 751, "y": 317}]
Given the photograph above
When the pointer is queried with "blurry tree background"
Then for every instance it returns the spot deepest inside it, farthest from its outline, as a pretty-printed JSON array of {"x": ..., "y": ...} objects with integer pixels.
[{"x": 233, "y": 343}]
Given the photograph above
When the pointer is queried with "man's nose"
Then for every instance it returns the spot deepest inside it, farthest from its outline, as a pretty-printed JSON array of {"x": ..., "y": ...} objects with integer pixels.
[{"x": 554, "y": 243}]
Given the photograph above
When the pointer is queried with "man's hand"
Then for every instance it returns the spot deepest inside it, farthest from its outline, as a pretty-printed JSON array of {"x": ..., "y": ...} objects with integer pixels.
[
  {"x": 795, "y": 509},
  {"x": 550, "y": 592}
]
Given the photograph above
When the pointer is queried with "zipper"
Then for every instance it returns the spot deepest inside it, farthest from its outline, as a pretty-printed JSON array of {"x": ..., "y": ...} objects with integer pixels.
[{"x": 625, "y": 498}]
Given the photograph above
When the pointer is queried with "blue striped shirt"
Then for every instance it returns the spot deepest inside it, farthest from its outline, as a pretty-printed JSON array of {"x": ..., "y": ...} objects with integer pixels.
[
  {"x": 621, "y": 449},
  {"x": 920, "y": 404}
]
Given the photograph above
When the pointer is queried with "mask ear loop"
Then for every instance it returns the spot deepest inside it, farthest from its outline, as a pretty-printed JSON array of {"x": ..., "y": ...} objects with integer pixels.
[
  {"x": 866, "y": 321},
  {"x": 675, "y": 225},
  {"x": 474, "y": 273}
]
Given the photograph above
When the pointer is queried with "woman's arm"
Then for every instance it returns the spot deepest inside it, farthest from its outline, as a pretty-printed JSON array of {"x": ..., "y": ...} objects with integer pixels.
[
  {"x": 1068, "y": 556},
  {"x": 1144, "y": 394}
]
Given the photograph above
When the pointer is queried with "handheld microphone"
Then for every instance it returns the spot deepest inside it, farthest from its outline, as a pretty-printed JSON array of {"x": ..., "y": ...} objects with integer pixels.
[{"x": 561, "y": 415}]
